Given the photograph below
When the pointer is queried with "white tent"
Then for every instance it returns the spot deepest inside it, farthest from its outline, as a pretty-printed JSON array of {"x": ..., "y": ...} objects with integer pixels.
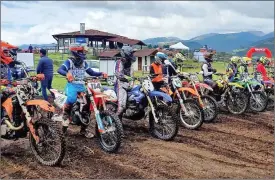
[{"x": 180, "y": 46}]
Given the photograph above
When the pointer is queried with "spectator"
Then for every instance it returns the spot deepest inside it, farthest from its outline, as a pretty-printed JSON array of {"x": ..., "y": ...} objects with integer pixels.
[
  {"x": 45, "y": 66},
  {"x": 30, "y": 48}
]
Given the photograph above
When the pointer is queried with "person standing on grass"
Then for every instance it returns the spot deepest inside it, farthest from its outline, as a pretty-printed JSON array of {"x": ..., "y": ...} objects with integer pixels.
[
  {"x": 30, "y": 48},
  {"x": 45, "y": 66}
]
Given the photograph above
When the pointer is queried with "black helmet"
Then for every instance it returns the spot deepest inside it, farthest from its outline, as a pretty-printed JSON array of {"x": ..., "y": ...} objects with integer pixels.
[{"x": 127, "y": 52}]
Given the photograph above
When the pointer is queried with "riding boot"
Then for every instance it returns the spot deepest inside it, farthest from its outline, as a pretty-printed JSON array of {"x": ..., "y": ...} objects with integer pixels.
[
  {"x": 66, "y": 115},
  {"x": 84, "y": 131}
]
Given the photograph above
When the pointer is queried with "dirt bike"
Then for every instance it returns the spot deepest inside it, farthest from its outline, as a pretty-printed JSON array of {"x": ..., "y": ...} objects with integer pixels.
[
  {"x": 229, "y": 95},
  {"x": 189, "y": 110},
  {"x": 23, "y": 113},
  {"x": 108, "y": 126},
  {"x": 208, "y": 103},
  {"x": 142, "y": 101},
  {"x": 268, "y": 88},
  {"x": 255, "y": 91}
]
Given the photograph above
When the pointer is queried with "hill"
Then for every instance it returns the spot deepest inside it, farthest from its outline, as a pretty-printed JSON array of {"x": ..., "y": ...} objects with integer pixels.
[
  {"x": 230, "y": 41},
  {"x": 155, "y": 41},
  {"x": 266, "y": 43},
  {"x": 26, "y": 46}
]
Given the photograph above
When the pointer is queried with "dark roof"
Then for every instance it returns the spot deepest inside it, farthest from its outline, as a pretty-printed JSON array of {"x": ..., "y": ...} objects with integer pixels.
[
  {"x": 145, "y": 52},
  {"x": 127, "y": 41},
  {"x": 109, "y": 53},
  {"x": 97, "y": 33}
]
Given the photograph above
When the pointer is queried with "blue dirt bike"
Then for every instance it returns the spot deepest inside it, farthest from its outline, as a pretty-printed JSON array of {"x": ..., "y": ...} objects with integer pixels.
[{"x": 142, "y": 101}]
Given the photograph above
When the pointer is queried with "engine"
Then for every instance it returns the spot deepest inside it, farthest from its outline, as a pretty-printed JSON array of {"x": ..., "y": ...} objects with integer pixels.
[{"x": 135, "y": 110}]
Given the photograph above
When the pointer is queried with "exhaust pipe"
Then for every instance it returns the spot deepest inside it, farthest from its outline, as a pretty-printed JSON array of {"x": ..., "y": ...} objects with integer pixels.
[{"x": 12, "y": 127}]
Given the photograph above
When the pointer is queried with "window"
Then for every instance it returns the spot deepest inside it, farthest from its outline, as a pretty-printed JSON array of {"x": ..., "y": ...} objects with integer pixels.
[
  {"x": 61, "y": 42},
  {"x": 145, "y": 60}
]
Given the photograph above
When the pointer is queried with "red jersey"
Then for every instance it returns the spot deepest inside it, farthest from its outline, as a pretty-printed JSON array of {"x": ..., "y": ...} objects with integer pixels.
[{"x": 261, "y": 69}]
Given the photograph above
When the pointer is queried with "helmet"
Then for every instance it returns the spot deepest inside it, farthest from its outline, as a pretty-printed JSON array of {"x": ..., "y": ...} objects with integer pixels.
[
  {"x": 160, "y": 57},
  {"x": 79, "y": 53},
  {"x": 127, "y": 52},
  {"x": 244, "y": 60},
  {"x": 264, "y": 60},
  {"x": 208, "y": 56},
  {"x": 5, "y": 58},
  {"x": 235, "y": 59}
]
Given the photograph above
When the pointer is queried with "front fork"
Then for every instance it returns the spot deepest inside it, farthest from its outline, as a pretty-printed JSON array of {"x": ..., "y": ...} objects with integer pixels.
[
  {"x": 152, "y": 109},
  {"x": 100, "y": 125},
  {"x": 181, "y": 101}
]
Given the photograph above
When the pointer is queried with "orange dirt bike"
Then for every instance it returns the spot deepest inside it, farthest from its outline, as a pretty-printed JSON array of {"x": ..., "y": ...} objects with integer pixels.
[
  {"x": 22, "y": 113},
  {"x": 108, "y": 126},
  {"x": 190, "y": 112},
  {"x": 208, "y": 103}
]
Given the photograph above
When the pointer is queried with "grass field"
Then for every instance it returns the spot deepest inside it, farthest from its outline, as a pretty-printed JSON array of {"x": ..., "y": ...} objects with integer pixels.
[{"x": 59, "y": 81}]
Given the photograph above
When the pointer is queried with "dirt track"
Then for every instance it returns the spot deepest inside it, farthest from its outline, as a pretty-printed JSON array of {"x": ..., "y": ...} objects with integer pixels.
[{"x": 232, "y": 147}]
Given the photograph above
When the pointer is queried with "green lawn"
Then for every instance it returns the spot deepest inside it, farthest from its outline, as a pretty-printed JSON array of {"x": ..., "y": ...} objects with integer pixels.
[{"x": 59, "y": 81}]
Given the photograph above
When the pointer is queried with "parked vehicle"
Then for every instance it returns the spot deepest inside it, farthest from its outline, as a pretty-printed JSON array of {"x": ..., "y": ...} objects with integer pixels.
[
  {"x": 144, "y": 101},
  {"x": 22, "y": 113},
  {"x": 108, "y": 126},
  {"x": 255, "y": 91},
  {"x": 188, "y": 109},
  {"x": 208, "y": 103},
  {"x": 230, "y": 95}
]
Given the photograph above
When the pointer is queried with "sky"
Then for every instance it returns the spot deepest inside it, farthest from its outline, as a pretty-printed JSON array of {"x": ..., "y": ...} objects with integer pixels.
[{"x": 34, "y": 22}]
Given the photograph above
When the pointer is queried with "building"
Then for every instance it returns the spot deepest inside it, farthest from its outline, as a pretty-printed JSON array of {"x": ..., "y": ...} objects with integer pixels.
[
  {"x": 144, "y": 58},
  {"x": 96, "y": 40}
]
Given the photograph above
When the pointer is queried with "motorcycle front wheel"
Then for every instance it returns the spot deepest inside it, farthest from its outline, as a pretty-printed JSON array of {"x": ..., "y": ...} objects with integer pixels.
[
  {"x": 238, "y": 104},
  {"x": 211, "y": 109},
  {"x": 167, "y": 126},
  {"x": 194, "y": 117},
  {"x": 260, "y": 102},
  {"x": 50, "y": 150},
  {"x": 110, "y": 141}
]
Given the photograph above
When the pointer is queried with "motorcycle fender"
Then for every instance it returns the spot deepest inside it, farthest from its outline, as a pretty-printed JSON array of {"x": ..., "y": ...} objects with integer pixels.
[
  {"x": 42, "y": 104},
  {"x": 269, "y": 82},
  {"x": 165, "y": 96},
  {"x": 7, "y": 105},
  {"x": 235, "y": 84},
  {"x": 190, "y": 90},
  {"x": 204, "y": 86}
]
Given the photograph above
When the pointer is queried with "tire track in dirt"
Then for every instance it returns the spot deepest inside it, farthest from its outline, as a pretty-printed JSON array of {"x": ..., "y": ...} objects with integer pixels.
[{"x": 231, "y": 147}]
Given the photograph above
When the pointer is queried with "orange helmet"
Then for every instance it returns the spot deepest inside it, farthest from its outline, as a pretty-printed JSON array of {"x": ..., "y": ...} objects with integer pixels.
[
  {"x": 5, "y": 58},
  {"x": 78, "y": 48}
]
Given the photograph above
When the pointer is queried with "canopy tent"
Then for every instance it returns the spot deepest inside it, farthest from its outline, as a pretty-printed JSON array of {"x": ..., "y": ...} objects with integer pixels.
[{"x": 180, "y": 46}]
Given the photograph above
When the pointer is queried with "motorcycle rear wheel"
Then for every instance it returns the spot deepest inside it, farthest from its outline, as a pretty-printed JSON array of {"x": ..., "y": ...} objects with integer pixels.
[
  {"x": 213, "y": 106},
  {"x": 240, "y": 103}
]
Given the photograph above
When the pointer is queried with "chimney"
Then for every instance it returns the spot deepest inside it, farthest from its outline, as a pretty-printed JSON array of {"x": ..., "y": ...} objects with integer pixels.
[{"x": 82, "y": 28}]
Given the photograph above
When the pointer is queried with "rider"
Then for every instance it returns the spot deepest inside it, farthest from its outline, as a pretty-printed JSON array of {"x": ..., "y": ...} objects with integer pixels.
[
  {"x": 123, "y": 77},
  {"x": 156, "y": 68},
  {"x": 74, "y": 69},
  {"x": 208, "y": 70},
  {"x": 232, "y": 68},
  {"x": 261, "y": 63},
  {"x": 242, "y": 67}
]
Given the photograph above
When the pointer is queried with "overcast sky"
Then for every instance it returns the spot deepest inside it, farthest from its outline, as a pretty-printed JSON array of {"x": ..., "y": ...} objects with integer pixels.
[{"x": 34, "y": 22}]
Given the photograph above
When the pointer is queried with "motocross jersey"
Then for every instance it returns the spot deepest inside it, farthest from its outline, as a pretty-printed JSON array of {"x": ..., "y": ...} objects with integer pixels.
[{"x": 209, "y": 68}]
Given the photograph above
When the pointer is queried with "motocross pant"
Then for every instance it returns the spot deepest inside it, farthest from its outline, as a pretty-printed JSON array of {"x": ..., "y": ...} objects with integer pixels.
[
  {"x": 210, "y": 82},
  {"x": 157, "y": 85},
  {"x": 122, "y": 96}
]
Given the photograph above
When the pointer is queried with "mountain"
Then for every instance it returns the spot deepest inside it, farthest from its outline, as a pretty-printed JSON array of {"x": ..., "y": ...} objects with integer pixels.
[
  {"x": 155, "y": 41},
  {"x": 230, "y": 41},
  {"x": 266, "y": 43},
  {"x": 269, "y": 35},
  {"x": 201, "y": 37},
  {"x": 191, "y": 44}
]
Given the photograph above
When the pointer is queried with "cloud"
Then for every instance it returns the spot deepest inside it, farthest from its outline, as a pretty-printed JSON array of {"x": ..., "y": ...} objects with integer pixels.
[{"x": 36, "y": 22}]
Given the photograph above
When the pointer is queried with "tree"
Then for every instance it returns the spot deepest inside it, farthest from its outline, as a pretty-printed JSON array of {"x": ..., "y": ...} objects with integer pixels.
[
  {"x": 155, "y": 46},
  {"x": 166, "y": 46},
  {"x": 150, "y": 46}
]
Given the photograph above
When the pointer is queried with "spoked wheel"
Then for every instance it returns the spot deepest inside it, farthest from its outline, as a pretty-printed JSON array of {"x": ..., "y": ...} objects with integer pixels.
[
  {"x": 210, "y": 108},
  {"x": 193, "y": 117},
  {"x": 50, "y": 150},
  {"x": 271, "y": 97},
  {"x": 238, "y": 104},
  {"x": 110, "y": 141},
  {"x": 167, "y": 126},
  {"x": 259, "y": 102}
]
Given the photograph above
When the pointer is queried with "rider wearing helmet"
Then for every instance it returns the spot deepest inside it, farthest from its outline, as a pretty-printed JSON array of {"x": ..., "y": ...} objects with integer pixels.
[
  {"x": 5, "y": 62},
  {"x": 232, "y": 67},
  {"x": 242, "y": 66},
  {"x": 156, "y": 68},
  {"x": 208, "y": 70},
  {"x": 123, "y": 76},
  {"x": 261, "y": 63},
  {"x": 74, "y": 69}
]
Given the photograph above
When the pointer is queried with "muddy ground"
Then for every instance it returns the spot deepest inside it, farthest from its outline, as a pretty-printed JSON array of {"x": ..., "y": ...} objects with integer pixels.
[{"x": 232, "y": 147}]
